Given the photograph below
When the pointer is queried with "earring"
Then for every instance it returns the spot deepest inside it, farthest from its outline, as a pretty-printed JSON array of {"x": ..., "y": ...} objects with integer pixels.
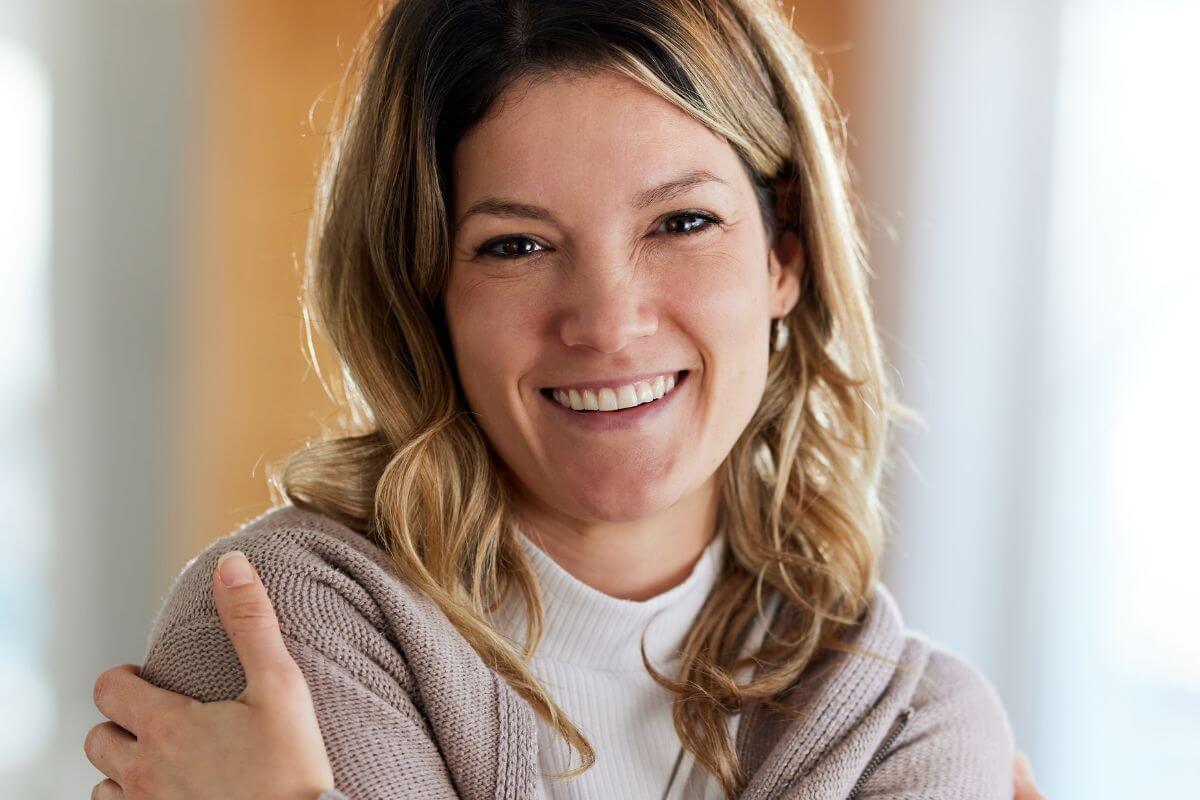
[{"x": 779, "y": 335}]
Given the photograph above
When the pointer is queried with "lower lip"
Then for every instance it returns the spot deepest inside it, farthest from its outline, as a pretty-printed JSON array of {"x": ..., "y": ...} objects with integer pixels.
[{"x": 626, "y": 418}]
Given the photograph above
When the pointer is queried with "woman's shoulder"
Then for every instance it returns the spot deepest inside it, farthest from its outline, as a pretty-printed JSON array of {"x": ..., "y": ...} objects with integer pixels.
[
  {"x": 945, "y": 679},
  {"x": 338, "y": 600},
  {"x": 957, "y": 740},
  {"x": 923, "y": 720},
  {"x": 300, "y": 556},
  {"x": 939, "y": 717},
  {"x": 943, "y": 682},
  {"x": 954, "y": 694}
]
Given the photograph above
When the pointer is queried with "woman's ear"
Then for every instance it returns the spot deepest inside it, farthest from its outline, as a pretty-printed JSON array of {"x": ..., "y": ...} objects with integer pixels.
[
  {"x": 786, "y": 254},
  {"x": 786, "y": 260}
]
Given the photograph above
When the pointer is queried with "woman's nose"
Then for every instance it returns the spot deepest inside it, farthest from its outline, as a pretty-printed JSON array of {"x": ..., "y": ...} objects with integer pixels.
[{"x": 606, "y": 309}]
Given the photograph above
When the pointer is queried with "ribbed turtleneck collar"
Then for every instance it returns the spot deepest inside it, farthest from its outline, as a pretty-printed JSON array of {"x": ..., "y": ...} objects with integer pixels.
[{"x": 585, "y": 627}]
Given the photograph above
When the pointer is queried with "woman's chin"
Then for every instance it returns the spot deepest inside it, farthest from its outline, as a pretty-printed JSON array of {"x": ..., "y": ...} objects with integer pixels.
[{"x": 623, "y": 500}]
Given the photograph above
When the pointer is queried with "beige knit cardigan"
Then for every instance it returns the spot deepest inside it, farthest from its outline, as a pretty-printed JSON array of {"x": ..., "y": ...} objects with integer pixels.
[{"x": 408, "y": 710}]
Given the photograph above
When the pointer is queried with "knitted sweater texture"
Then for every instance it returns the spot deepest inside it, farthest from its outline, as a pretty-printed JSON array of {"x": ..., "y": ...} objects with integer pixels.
[{"x": 407, "y": 708}]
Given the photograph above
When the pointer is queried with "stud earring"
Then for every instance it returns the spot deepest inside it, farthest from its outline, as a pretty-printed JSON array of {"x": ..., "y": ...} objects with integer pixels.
[{"x": 779, "y": 336}]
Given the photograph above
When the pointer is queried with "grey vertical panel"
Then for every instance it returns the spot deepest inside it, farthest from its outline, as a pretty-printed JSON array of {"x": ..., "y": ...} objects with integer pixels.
[
  {"x": 121, "y": 76},
  {"x": 956, "y": 145}
]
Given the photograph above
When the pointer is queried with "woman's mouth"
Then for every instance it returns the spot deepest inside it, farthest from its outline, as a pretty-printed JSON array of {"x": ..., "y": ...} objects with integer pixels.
[
  {"x": 613, "y": 408},
  {"x": 617, "y": 398}
]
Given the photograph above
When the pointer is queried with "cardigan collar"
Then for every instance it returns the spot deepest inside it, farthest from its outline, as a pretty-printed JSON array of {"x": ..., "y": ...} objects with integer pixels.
[
  {"x": 838, "y": 693},
  {"x": 841, "y": 697}
]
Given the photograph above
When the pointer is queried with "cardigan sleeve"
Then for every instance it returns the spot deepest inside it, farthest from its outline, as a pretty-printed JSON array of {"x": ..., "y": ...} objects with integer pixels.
[
  {"x": 379, "y": 743},
  {"x": 957, "y": 744}
]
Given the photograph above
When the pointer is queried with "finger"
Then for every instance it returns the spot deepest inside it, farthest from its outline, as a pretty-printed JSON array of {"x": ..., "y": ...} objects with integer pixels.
[
  {"x": 123, "y": 696},
  {"x": 1026, "y": 788},
  {"x": 107, "y": 790},
  {"x": 250, "y": 622},
  {"x": 110, "y": 749}
]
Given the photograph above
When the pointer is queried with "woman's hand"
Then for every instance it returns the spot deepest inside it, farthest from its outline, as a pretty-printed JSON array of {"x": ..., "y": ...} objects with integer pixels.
[
  {"x": 1023, "y": 775},
  {"x": 264, "y": 744}
]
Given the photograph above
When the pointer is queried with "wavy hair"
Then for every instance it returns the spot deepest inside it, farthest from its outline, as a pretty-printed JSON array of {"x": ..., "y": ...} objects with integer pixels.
[{"x": 409, "y": 468}]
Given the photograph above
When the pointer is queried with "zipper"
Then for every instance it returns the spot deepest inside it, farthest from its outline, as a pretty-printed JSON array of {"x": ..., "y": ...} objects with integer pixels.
[
  {"x": 897, "y": 726},
  {"x": 675, "y": 769}
]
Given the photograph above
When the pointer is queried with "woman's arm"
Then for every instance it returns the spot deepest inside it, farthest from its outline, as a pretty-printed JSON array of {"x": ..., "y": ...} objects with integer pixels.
[
  {"x": 957, "y": 744},
  {"x": 259, "y": 731}
]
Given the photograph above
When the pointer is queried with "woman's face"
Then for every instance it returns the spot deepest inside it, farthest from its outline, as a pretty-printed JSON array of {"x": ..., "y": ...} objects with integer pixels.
[{"x": 604, "y": 238}]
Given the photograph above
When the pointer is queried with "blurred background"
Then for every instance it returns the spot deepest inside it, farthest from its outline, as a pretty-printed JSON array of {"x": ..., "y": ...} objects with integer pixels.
[{"x": 1028, "y": 172}]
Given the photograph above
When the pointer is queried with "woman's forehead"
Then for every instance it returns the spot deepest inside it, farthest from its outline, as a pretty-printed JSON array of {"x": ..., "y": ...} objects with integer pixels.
[{"x": 604, "y": 132}]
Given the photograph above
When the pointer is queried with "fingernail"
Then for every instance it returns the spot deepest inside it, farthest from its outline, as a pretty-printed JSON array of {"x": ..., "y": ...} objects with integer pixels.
[
  {"x": 1023, "y": 765},
  {"x": 234, "y": 569}
]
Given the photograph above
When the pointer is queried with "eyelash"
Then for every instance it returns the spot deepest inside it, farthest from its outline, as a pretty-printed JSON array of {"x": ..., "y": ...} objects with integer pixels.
[{"x": 711, "y": 219}]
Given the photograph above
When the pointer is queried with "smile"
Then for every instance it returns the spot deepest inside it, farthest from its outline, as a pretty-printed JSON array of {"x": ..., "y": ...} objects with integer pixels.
[{"x": 616, "y": 398}]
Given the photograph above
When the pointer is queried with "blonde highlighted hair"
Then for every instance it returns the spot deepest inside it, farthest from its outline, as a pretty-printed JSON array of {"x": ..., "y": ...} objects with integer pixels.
[{"x": 408, "y": 467}]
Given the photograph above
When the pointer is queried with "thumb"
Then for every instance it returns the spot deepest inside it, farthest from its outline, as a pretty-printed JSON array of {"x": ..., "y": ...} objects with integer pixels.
[
  {"x": 1026, "y": 788},
  {"x": 250, "y": 622}
]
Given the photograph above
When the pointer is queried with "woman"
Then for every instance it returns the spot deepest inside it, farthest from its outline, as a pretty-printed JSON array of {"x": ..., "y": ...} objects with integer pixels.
[{"x": 616, "y": 422}]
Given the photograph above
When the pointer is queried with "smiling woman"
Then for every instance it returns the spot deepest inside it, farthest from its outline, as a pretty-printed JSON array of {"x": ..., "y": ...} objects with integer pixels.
[
  {"x": 590, "y": 490},
  {"x": 608, "y": 293}
]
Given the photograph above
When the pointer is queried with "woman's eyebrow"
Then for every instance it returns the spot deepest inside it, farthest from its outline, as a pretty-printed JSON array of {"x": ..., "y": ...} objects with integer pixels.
[
  {"x": 674, "y": 187},
  {"x": 501, "y": 207}
]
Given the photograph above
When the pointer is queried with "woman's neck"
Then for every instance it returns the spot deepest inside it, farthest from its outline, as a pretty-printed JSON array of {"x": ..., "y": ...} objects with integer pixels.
[{"x": 633, "y": 560}]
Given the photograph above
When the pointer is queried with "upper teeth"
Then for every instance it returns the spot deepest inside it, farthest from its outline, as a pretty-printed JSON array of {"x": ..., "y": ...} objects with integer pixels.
[{"x": 617, "y": 397}]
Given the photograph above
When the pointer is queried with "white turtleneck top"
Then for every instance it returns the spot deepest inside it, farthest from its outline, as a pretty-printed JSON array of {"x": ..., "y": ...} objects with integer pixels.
[{"x": 589, "y": 661}]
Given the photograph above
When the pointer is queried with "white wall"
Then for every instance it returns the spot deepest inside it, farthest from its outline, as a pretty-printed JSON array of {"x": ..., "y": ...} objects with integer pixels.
[
  {"x": 1032, "y": 174},
  {"x": 120, "y": 95},
  {"x": 954, "y": 129}
]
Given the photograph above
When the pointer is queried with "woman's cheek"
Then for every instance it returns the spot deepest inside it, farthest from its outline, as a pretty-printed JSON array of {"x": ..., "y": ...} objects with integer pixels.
[
  {"x": 494, "y": 335},
  {"x": 722, "y": 300}
]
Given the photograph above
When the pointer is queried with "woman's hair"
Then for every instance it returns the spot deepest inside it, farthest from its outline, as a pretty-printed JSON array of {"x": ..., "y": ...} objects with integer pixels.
[{"x": 410, "y": 468}]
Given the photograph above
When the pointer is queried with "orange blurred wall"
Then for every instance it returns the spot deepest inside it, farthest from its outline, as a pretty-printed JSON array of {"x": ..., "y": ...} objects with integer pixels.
[{"x": 246, "y": 394}]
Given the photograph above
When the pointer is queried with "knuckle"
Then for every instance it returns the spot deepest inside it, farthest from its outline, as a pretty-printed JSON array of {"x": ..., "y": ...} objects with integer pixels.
[
  {"x": 156, "y": 728},
  {"x": 287, "y": 670},
  {"x": 291, "y": 684},
  {"x": 101, "y": 688},
  {"x": 138, "y": 779},
  {"x": 253, "y": 614},
  {"x": 278, "y": 682},
  {"x": 289, "y": 674},
  {"x": 92, "y": 745}
]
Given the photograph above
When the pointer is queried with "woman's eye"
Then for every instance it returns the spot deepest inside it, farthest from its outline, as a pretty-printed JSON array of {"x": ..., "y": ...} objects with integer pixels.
[
  {"x": 510, "y": 248},
  {"x": 692, "y": 222}
]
